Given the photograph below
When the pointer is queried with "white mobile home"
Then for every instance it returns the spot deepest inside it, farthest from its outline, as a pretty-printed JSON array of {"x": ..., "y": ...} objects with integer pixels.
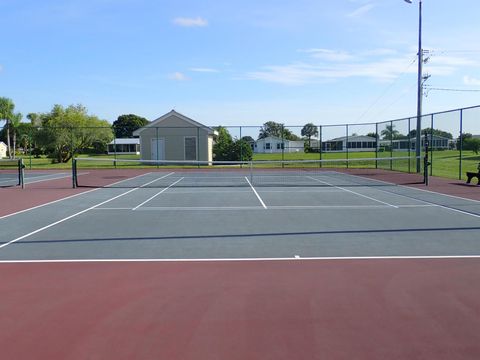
[
  {"x": 352, "y": 143},
  {"x": 124, "y": 147},
  {"x": 272, "y": 144}
]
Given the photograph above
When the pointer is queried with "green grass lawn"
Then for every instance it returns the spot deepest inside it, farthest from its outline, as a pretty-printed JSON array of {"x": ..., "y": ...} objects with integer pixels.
[{"x": 444, "y": 163}]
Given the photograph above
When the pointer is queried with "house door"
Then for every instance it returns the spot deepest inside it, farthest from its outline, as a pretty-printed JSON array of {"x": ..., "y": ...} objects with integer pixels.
[{"x": 158, "y": 149}]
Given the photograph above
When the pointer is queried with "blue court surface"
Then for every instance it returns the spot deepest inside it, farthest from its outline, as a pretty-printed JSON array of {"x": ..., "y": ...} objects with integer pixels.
[{"x": 185, "y": 217}]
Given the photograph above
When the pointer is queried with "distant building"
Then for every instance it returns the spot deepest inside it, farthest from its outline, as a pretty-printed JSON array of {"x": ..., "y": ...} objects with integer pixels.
[
  {"x": 174, "y": 136},
  {"x": 124, "y": 146},
  {"x": 3, "y": 150},
  {"x": 436, "y": 143},
  {"x": 352, "y": 143},
  {"x": 272, "y": 144}
]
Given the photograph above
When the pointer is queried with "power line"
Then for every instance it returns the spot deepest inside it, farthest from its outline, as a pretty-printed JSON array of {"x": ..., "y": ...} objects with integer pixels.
[
  {"x": 448, "y": 89},
  {"x": 387, "y": 89}
]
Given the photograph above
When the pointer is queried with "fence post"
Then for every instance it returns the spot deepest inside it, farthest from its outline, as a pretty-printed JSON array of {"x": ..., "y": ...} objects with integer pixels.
[
  {"x": 377, "y": 144},
  {"x": 461, "y": 145},
  {"x": 320, "y": 144},
  {"x": 346, "y": 142},
  {"x": 431, "y": 147},
  {"x": 391, "y": 145}
]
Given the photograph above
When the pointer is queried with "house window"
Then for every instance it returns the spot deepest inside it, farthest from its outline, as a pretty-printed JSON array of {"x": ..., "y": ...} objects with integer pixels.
[
  {"x": 267, "y": 146},
  {"x": 190, "y": 148},
  {"x": 279, "y": 146}
]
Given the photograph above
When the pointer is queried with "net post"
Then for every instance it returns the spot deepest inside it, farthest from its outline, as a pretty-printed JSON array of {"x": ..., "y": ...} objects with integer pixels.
[
  {"x": 251, "y": 171},
  {"x": 74, "y": 173},
  {"x": 21, "y": 173},
  {"x": 425, "y": 160}
]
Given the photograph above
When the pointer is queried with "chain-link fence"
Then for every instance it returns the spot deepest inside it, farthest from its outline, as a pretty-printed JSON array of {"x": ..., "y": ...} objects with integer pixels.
[{"x": 453, "y": 138}]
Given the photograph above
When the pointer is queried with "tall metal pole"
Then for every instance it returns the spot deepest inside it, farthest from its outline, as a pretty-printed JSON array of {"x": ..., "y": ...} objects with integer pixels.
[{"x": 419, "y": 88}]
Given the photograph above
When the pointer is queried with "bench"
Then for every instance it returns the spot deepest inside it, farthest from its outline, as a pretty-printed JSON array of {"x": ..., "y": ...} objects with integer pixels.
[{"x": 471, "y": 175}]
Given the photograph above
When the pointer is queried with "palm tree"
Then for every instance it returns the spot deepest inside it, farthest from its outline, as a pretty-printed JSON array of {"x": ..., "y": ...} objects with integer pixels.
[
  {"x": 389, "y": 132},
  {"x": 6, "y": 113},
  {"x": 309, "y": 130},
  {"x": 15, "y": 121}
]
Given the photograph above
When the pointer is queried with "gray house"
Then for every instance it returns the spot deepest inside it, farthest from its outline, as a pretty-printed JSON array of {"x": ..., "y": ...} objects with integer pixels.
[{"x": 174, "y": 136}]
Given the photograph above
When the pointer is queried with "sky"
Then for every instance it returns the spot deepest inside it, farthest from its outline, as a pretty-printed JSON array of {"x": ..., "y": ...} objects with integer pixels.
[{"x": 237, "y": 62}]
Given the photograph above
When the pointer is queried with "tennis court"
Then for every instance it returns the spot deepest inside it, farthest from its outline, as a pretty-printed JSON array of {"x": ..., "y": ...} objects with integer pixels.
[{"x": 280, "y": 263}]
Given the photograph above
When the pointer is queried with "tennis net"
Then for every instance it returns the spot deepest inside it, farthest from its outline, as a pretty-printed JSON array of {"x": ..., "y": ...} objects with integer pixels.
[
  {"x": 11, "y": 172},
  {"x": 108, "y": 172}
]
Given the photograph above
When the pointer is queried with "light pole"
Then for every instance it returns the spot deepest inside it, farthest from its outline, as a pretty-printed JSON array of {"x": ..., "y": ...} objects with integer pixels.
[{"x": 419, "y": 86}]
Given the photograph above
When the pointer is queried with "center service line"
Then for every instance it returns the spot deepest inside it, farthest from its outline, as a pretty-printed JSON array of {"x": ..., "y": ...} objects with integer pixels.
[
  {"x": 353, "y": 192},
  {"x": 154, "y": 196},
  {"x": 255, "y": 191},
  {"x": 76, "y": 214}
]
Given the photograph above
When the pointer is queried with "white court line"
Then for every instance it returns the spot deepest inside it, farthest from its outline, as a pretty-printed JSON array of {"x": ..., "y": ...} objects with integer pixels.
[
  {"x": 353, "y": 192},
  {"x": 293, "y": 258},
  {"x": 197, "y": 208},
  {"x": 154, "y": 196},
  {"x": 424, "y": 201},
  {"x": 255, "y": 191},
  {"x": 277, "y": 207},
  {"x": 46, "y": 177},
  {"x": 76, "y": 214},
  {"x": 65, "y": 198}
]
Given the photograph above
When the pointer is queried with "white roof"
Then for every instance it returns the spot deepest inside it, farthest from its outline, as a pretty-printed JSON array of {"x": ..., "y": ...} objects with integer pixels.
[{"x": 125, "y": 141}]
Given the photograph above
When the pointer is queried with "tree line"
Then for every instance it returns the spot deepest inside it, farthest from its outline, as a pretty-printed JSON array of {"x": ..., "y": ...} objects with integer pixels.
[{"x": 63, "y": 131}]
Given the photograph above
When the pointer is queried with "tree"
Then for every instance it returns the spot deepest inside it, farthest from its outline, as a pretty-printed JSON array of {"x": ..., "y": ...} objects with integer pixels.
[
  {"x": 389, "y": 133},
  {"x": 226, "y": 148},
  {"x": 472, "y": 144},
  {"x": 35, "y": 119},
  {"x": 15, "y": 122},
  {"x": 372, "y": 134},
  {"x": 461, "y": 140},
  {"x": 6, "y": 113},
  {"x": 222, "y": 144},
  {"x": 65, "y": 131},
  {"x": 308, "y": 131},
  {"x": 248, "y": 139},
  {"x": 125, "y": 125},
  {"x": 271, "y": 128},
  {"x": 429, "y": 131}
]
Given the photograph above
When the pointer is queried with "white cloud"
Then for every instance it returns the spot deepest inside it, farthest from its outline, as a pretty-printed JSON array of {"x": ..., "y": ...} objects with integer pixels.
[
  {"x": 361, "y": 11},
  {"x": 178, "y": 76},
  {"x": 204, "y": 70},
  {"x": 471, "y": 81},
  {"x": 326, "y": 65},
  {"x": 190, "y": 22},
  {"x": 329, "y": 55}
]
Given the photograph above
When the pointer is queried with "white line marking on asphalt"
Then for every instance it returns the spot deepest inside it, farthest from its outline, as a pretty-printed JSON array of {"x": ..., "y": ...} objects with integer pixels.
[
  {"x": 42, "y": 178},
  {"x": 425, "y": 201},
  {"x": 352, "y": 192},
  {"x": 255, "y": 191},
  {"x": 74, "y": 215},
  {"x": 65, "y": 198},
  {"x": 154, "y": 196},
  {"x": 323, "y": 258}
]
